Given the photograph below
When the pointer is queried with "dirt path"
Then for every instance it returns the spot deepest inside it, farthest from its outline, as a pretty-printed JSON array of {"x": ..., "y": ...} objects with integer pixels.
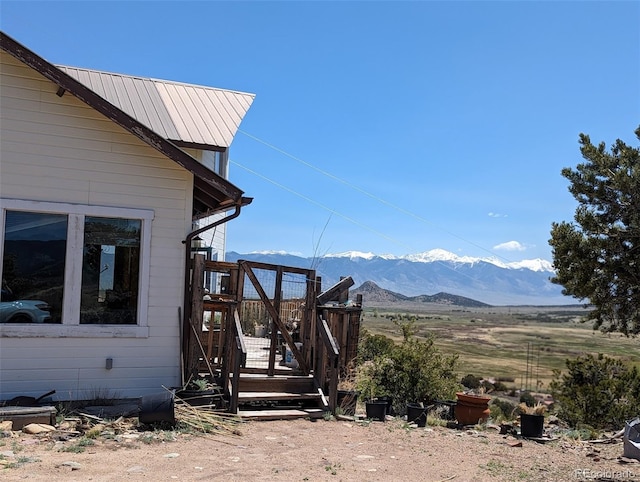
[{"x": 303, "y": 450}]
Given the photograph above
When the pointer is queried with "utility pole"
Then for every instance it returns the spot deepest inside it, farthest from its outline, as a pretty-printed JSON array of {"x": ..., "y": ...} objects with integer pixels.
[{"x": 526, "y": 373}]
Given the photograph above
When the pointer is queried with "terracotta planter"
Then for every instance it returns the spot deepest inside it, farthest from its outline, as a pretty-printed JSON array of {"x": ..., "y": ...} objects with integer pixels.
[{"x": 472, "y": 409}]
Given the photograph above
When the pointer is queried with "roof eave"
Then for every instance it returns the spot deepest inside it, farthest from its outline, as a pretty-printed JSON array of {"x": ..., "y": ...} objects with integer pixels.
[{"x": 89, "y": 97}]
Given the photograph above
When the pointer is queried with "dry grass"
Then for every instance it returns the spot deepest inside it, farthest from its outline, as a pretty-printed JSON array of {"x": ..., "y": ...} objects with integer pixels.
[
  {"x": 206, "y": 420},
  {"x": 493, "y": 342}
]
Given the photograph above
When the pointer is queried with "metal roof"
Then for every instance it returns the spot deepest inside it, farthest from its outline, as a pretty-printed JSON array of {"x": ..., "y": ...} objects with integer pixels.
[
  {"x": 188, "y": 115},
  {"x": 212, "y": 192}
]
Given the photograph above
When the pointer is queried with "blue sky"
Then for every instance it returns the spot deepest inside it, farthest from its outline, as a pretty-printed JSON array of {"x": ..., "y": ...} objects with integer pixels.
[{"x": 384, "y": 127}]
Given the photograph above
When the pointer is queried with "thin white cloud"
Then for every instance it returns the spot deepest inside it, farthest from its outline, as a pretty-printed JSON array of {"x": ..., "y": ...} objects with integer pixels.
[
  {"x": 497, "y": 215},
  {"x": 510, "y": 246}
]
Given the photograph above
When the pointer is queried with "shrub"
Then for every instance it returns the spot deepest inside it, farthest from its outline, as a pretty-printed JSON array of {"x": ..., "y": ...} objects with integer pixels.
[
  {"x": 412, "y": 371},
  {"x": 487, "y": 387},
  {"x": 502, "y": 410},
  {"x": 371, "y": 346},
  {"x": 527, "y": 398},
  {"x": 500, "y": 387},
  {"x": 600, "y": 392},
  {"x": 470, "y": 381}
]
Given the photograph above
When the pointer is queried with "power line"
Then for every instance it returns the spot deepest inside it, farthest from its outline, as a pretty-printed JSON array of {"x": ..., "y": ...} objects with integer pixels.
[
  {"x": 351, "y": 220},
  {"x": 327, "y": 208},
  {"x": 361, "y": 191}
]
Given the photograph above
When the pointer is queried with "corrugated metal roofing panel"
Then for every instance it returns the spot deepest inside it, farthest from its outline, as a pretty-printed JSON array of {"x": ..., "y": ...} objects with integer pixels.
[{"x": 188, "y": 113}]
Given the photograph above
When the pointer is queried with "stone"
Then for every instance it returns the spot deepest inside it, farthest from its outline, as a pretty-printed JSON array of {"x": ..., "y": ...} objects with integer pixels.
[
  {"x": 72, "y": 465},
  {"x": 35, "y": 428}
]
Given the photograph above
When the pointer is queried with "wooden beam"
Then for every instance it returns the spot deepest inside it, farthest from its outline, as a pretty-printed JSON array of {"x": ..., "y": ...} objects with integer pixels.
[
  {"x": 274, "y": 333},
  {"x": 334, "y": 292}
]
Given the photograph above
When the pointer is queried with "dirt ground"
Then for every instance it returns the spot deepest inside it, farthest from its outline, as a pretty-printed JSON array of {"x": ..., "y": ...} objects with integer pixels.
[{"x": 304, "y": 450}]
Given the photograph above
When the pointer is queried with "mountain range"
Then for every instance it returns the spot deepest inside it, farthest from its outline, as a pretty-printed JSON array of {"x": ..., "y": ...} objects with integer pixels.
[
  {"x": 487, "y": 280},
  {"x": 373, "y": 294}
]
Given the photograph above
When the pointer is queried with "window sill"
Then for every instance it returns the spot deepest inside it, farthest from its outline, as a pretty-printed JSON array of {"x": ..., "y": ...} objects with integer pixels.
[{"x": 73, "y": 331}]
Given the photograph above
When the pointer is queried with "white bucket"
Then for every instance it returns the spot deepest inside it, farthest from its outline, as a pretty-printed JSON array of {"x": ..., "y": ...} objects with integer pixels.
[{"x": 289, "y": 360}]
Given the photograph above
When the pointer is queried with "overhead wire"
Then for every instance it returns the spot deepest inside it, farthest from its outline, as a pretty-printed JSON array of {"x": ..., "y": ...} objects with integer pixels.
[
  {"x": 333, "y": 211},
  {"x": 313, "y": 201},
  {"x": 358, "y": 189}
]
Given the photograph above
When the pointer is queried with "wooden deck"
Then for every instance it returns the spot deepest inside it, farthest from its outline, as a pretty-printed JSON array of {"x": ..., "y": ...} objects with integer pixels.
[{"x": 315, "y": 331}]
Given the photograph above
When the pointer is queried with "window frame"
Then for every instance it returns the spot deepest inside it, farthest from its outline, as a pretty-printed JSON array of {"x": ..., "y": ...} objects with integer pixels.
[{"x": 70, "y": 326}]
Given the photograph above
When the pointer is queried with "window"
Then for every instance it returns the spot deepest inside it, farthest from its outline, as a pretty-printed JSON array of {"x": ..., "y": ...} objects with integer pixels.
[
  {"x": 33, "y": 267},
  {"x": 50, "y": 249},
  {"x": 110, "y": 271}
]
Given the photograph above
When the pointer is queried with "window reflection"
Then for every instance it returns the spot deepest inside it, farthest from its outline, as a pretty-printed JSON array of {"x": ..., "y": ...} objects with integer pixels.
[
  {"x": 33, "y": 267},
  {"x": 110, "y": 271}
]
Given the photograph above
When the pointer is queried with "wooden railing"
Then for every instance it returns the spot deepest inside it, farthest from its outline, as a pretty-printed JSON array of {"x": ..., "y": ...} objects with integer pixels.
[
  {"x": 238, "y": 358},
  {"x": 328, "y": 326},
  {"x": 325, "y": 371}
]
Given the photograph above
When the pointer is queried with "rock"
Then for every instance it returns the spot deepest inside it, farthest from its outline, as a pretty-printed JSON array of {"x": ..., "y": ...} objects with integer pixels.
[
  {"x": 363, "y": 457},
  {"x": 6, "y": 426},
  {"x": 627, "y": 460},
  {"x": 35, "y": 428},
  {"x": 72, "y": 465},
  {"x": 516, "y": 443}
]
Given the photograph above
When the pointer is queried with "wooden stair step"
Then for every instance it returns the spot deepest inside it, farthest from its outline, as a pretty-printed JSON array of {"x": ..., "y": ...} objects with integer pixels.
[
  {"x": 258, "y": 383},
  {"x": 276, "y": 396},
  {"x": 281, "y": 414}
]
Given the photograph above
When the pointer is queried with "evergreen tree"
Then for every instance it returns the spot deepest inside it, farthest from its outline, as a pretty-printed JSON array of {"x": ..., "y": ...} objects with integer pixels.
[{"x": 597, "y": 258}]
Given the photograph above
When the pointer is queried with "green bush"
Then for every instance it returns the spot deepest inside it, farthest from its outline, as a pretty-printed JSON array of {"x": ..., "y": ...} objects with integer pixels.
[
  {"x": 502, "y": 410},
  {"x": 470, "y": 381},
  {"x": 371, "y": 346},
  {"x": 412, "y": 371},
  {"x": 526, "y": 397},
  {"x": 500, "y": 387},
  {"x": 600, "y": 392}
]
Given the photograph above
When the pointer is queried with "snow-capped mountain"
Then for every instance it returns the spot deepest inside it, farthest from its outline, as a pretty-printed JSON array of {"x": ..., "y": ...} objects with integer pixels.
[
  {"x": 436, "y": 255},
  {"x": 489, "y": 280}
]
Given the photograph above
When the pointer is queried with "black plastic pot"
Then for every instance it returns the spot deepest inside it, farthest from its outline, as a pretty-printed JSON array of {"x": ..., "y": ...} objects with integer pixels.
[
  {"x": 531, "y": 425},
  {"x": 376, "y": 409},
  {"x": 447, "y": 409},
  {"x": 389, "y": 401},
  {"x": 199, "y": 398},
  {"x": 24, "y": 401},
  {"x": 157, "y": 408},
  {"x": 417, "y": 414}
]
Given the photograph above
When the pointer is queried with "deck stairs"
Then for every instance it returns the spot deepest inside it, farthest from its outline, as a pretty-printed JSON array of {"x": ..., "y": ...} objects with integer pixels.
[{"x": 281, "y": 396}]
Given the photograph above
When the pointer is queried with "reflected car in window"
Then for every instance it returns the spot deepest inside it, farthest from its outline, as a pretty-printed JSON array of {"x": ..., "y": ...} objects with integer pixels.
[{"x": 24, "y": 311}]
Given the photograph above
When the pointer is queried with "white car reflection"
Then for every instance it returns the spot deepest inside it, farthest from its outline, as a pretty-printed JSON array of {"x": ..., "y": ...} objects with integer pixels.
[{"x": 24, "y": 311}]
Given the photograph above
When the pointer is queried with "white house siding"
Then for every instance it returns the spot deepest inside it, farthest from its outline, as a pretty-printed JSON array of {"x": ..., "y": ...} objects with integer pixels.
[{"x": 56, "y": 149}]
